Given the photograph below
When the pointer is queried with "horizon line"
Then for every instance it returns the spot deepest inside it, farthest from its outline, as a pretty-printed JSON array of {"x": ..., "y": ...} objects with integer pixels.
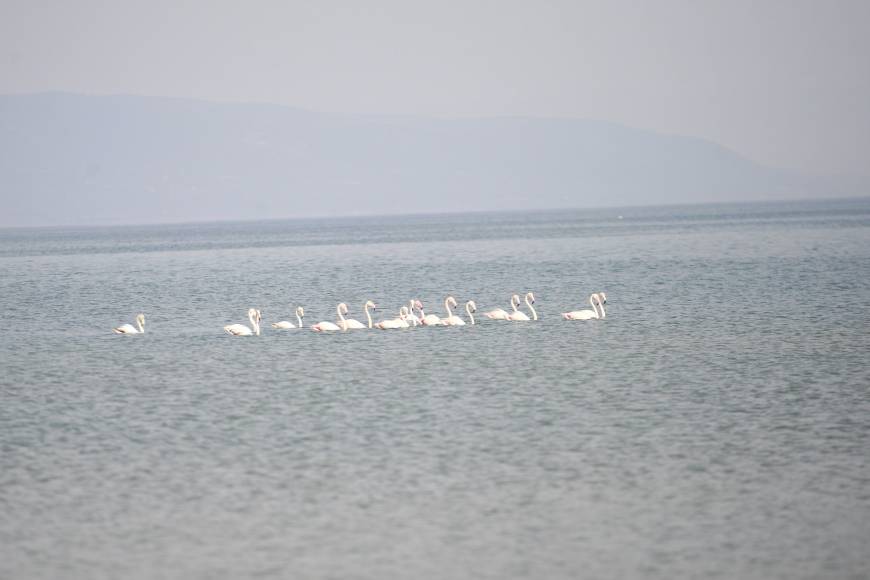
[{"x": 351, "y": 216}]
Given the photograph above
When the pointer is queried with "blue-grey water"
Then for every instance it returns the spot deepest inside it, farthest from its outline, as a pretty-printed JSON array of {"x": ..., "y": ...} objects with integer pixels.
[{"x": 715, "y": 425}]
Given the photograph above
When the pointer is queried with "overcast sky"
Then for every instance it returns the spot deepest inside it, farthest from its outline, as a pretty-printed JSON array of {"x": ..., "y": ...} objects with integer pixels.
[{"x": 784, "y": 82}]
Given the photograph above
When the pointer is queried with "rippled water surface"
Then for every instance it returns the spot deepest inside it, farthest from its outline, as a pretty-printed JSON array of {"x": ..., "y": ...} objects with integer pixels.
[{"x": 715, "y": 425}]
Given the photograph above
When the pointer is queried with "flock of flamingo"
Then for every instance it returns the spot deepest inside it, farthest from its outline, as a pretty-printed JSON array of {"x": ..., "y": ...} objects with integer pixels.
[{"x": 407, "y": 318}]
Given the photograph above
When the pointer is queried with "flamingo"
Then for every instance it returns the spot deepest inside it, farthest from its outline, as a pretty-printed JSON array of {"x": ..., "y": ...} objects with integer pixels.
[
  {"x": 452, "y": 320},
  {"x": 130, "y": 329},
  {"x": 587, "y": 314},
  {"x": 300, "y": 313},
  {"x": 242, "y": 330},
  {"x": 500, "y": 314},
  {"x": 325, "y": 325},
  {"x": 350, "y": 323},
  {"x": 400, "y": 322},
  {"x": 432, "y": 320},
  {"x": 427, "y": 319},
  {"x": 521, "y": 316},
  {"x": 411, "y": 317}
]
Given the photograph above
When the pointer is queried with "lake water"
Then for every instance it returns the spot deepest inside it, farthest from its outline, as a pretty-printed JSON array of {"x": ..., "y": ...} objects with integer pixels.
[{"x": 715, "y": 425}]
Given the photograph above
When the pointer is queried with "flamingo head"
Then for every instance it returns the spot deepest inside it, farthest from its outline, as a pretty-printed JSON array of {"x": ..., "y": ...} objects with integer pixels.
[
  {"x": 418, "y": 305},
  {"x": 531, "y": 297},
  {"x": 300, "y": 312},
  {"x": 372, "y": 305},
  {"x": 140, "y": 318},
  {"x": 603, "y": 297},
  {"x": 472, "y": 306}
]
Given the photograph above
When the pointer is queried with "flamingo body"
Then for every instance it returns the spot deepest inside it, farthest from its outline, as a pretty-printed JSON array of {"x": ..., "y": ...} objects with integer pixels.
[
  {"x": 430, "y": 320},
  {"x": 518, "y": 316},
  {"x": 238, "y": 330},
  {"x": 497, "y": 314},
  {"x": 130, "y": 329}
]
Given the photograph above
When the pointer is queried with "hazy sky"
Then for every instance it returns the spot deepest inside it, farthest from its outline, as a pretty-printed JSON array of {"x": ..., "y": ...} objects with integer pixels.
[{"x": 784, "y": 82}]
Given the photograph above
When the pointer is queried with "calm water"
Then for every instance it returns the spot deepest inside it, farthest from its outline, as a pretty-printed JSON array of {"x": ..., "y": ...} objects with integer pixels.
[{"x": 715, "y": 425}]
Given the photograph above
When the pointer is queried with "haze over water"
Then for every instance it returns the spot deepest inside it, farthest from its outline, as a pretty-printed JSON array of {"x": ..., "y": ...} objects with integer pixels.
[{"x": 715, "y": 424}]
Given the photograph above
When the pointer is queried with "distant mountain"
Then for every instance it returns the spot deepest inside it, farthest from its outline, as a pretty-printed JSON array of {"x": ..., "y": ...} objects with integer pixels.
[{"x": 73, "y": 159}]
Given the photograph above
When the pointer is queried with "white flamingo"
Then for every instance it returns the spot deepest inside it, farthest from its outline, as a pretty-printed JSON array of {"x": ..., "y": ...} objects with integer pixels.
[
  {"x": 500, "y": 314},
  {"x": 519, "y": 316},
  {"x": 428, "y": 319},
  {"x": 130, "y": 329},
  {"x": 241, "y": 329},
  {"x": 326, "y": 325},
  {"x": 400, "y": 322},
  {"x": 452, "y": 320},
  {"x": 432, "y": 320},
  {"x": 587, "y": 314},
  {"x": 411, "y": 317},
  {"x": 300, "y": 314},
  {"x": 351, "y": 324}
]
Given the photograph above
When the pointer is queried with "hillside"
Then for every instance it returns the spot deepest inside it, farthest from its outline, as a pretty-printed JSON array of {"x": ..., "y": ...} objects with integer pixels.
[{"x": 72, "y": 159}]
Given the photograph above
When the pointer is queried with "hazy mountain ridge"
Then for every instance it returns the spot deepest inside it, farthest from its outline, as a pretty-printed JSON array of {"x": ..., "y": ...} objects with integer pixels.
[{"x": 73, "y": 159}]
